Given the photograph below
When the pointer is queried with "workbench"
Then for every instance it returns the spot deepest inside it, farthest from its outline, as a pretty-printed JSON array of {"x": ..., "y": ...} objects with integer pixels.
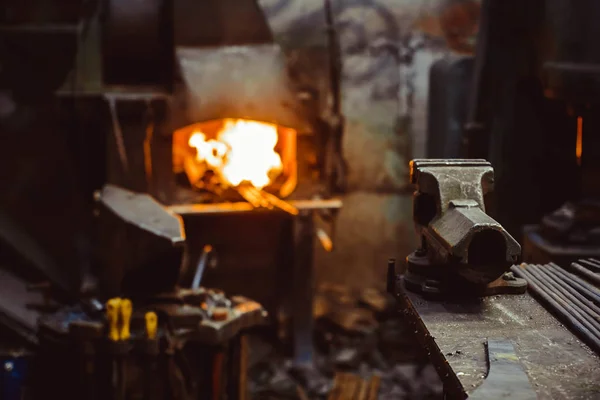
[{"x": 454, "y": 334}]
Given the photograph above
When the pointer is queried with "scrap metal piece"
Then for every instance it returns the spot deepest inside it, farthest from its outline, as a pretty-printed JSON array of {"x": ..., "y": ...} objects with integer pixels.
[
  {"x": 140, "y": 244},
  {"x": 459, "y": 241},
  {"x": 506, "y": 378}
]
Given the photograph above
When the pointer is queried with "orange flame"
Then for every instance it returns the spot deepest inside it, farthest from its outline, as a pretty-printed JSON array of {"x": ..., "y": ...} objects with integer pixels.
[{"x": 243, "y": 151}]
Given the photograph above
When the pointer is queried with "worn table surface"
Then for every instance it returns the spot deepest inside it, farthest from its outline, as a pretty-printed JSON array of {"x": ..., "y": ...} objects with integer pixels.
[{"x": 558, "y": 365}]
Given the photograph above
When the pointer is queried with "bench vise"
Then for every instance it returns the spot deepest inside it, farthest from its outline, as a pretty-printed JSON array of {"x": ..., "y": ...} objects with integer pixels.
[{"x": 463, "y": 250}]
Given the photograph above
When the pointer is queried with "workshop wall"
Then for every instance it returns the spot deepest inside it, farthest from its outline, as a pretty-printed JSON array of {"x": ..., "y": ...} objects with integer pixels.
[{"x": 387, "y": 49}]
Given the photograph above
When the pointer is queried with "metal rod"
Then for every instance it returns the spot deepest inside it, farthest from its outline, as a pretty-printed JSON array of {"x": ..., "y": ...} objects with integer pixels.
[
  {"x": 201, "y": 266},
  {"x": 590, "y": 276},
  {"x": 591, "y": 299},
  {"x": 587, "y": 264},
  {"x": 564, "y": 310},
  {"x": 568, "y": 305},
  {"x": 585, "y": 288},
  {"x": 588, "y": 313},
  {"x": 584, "y": 332}
]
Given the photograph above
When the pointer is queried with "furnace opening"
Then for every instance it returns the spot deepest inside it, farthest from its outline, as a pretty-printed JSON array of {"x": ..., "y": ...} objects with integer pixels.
[{"x": 236, "y": 155}]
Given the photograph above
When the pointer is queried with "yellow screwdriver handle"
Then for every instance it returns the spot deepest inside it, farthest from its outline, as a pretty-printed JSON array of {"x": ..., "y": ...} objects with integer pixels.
[
  {"x": 126, "y": 311},
  {"x": 151, "y": 324},
  {"x": 112, "y": 315}
]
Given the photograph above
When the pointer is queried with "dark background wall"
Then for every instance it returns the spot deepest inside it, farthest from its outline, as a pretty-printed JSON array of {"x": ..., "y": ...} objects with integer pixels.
[{"x": 387, "y": 47}]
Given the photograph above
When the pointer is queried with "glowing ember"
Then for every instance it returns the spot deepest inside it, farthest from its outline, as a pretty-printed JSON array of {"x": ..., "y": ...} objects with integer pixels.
[{"x": 243, "y": 151}]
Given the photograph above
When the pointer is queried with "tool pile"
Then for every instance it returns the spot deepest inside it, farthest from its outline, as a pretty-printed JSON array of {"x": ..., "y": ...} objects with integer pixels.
[{"x": 572, "y": 294}]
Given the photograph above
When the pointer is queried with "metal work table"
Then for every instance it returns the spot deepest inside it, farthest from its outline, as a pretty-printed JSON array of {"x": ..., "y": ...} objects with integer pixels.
[{"x": 557, "y": 364}]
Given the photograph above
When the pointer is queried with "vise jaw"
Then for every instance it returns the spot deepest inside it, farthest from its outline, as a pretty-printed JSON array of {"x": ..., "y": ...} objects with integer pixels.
[{"x": 459, "y": 241}]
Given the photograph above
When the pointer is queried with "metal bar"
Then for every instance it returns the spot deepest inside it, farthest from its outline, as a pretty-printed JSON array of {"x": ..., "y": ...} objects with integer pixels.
[
  {"x": 575, "y": 281},
  {"x": 506, "y": 378},
  {"x": 590, "y": 315},
  {"x": 588, "y": 265},
  {"x": 201, "y": 267},
  {"x": 573, "y": 290},
  {"x": 535, "y": 287},
  {"x": 229, "y": 208},
  {"x": 592, "y": 277},
  {"x": 571, "y": 308}
]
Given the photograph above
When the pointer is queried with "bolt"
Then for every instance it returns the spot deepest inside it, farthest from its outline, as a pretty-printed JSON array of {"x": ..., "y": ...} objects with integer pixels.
[
  {"x": 8, "y": 366},
  {"x": 508, "y": 276}
]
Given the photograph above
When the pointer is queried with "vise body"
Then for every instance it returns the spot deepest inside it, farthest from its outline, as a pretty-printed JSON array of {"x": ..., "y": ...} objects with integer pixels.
[{"x": 462, "y": 249}]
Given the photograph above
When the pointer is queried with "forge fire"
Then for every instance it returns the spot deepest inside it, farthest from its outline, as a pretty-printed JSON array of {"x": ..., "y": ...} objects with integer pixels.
[
  {"x": 242, "y": 152},
  {"x": 231, "y": 157}
]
